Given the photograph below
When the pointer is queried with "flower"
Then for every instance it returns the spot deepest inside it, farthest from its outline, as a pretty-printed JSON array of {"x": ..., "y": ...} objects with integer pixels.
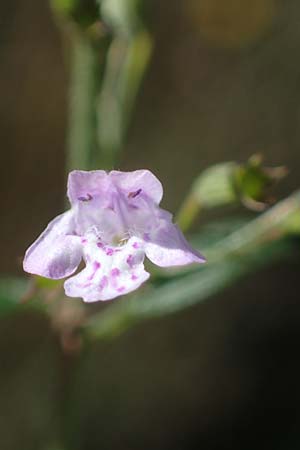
[{"x": 114, "y": 221}]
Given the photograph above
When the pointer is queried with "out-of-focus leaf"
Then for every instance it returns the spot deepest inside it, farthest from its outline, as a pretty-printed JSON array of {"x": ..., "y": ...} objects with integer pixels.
[
  {"x": 214, "y": 187},
  {"x": 11, "y": 292},
  {"x": 18, "y": 294},
  {"x": 185, "y": 291}
]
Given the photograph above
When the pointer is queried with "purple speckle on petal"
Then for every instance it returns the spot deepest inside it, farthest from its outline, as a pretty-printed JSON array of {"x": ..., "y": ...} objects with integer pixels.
[
  {"x": 103, "y": 282},
  {"x": 136, "y": 245},
  {"x": 100, "y": 245},
  {"x": 96, "y": 266},
  {"x": 86, "y": 198},
  {"x": 83, "y": 241},
  {"x": 134, "y": 277},
  {"x": 121, "y": 289},
  {"x": 129, "y": 260},
  {"x": 115, "y": 272},
  {"x": 109, "y": 251}
]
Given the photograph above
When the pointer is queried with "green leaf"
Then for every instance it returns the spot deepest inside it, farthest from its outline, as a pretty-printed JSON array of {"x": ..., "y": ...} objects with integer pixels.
[{"x": 214, "y": 187}]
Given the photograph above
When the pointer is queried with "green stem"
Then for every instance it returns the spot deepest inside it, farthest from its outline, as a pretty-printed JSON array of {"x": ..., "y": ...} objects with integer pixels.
[
  {"x": 272, "y": 225},
  {"x": 127, "y": 61},
  {"x": 87, "y": 67}
]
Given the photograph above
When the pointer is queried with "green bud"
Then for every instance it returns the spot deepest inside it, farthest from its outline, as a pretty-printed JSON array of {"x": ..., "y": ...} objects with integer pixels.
[
  {"x": 253, "y": 182},
  {"x": 228, "y": 183}
]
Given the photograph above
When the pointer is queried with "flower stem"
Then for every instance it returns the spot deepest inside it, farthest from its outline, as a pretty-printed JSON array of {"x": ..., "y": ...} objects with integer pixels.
[
  {"x": 87, "y": 68},
  {"x": 127, "y": 61}
]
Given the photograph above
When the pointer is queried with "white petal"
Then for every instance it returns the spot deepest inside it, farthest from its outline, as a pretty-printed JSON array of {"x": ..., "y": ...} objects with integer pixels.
[{"x": 109, "y": 272}]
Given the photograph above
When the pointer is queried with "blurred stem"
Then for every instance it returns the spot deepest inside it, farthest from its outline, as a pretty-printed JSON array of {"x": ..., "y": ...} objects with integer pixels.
[
  {"x": 87, "y": 68},
  {"x": 127, "y": 61},
  {"x": 274, "y": 224},
  {"x": 188, "y": 212},
  {"x": 105, "y": 80}
]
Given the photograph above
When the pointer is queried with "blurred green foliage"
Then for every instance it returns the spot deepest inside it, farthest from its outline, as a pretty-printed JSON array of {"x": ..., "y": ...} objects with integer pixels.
[
  {"x": 83, "y": 12},
  {"x": 12, "y": 290},
  {"x": 111, "y": 49},
  {"x": 230, "y": 183}
]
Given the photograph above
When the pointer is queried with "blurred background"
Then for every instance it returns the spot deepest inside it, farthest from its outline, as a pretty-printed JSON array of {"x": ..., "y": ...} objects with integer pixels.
[{"x": 223, "y": 82}]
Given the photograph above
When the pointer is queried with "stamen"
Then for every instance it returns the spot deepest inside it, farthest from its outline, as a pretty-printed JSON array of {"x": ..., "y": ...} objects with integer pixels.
[
  {"x": 86, "y": 198},
  {"x": 134, "y": 193}
]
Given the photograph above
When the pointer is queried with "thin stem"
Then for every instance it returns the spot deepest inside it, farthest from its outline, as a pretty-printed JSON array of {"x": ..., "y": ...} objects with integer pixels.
[
  {"x": 270, "y": 226},
  {"x": 87, "y": 67},
  {"x": 127, "y": 61}
]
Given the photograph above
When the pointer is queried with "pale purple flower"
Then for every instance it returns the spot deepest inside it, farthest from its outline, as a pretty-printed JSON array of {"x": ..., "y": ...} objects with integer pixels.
[{"x": 114, "y": 221}]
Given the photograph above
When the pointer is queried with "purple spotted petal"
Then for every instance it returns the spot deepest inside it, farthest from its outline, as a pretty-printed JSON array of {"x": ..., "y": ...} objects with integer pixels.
[
  {"x": 138, "y": 182},
  {"x": 166, "y": 246},
  {"x": 56, "y": 253},
  {"x": 109, "y": 272}
]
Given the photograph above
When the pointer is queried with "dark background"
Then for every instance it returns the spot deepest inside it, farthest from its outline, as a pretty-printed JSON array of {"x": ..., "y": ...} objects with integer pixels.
[{"x": 223, "y": 83}]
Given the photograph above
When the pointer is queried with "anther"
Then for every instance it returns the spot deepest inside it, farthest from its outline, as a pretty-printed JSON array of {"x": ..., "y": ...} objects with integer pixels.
[{"x": 134, "y": 193}]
